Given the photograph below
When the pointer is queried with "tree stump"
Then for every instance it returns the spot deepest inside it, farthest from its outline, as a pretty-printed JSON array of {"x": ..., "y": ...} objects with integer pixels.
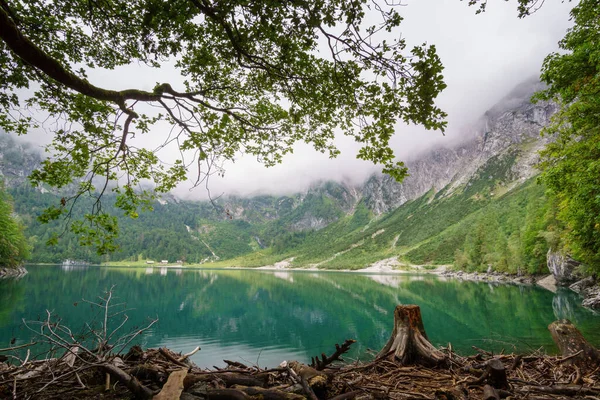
[
  {"x": 409, "y": 344},
  {"x": 573, "y": 345}
]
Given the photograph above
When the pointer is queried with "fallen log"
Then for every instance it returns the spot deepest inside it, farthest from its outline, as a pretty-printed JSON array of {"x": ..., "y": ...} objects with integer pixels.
[
  {"x": 573, "y": 346},
  {"x": 139, "y": 391},
  {"x": 174, "y": 386},
  {"x": 408, "y": 344},
  {"x": 228, "y": 378}
]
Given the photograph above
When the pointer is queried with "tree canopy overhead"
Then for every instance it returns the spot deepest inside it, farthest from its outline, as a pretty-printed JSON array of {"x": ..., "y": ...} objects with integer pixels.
[{"x": 256, "y": 77}]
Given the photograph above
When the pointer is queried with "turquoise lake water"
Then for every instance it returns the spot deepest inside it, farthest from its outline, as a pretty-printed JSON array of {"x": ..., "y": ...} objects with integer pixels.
[{"x": 265, "y": 317}]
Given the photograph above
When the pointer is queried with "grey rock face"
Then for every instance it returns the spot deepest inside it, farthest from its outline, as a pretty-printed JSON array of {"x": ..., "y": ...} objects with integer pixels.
[
  {"x": 514, "y": 121},
  {"x": 563, "y": 267},
  {"x": 582, "y": 285},
  {"x": 592, "y": 297},
  {"x": 590, "y": 290},
  {"x": 17, "y": 161}
]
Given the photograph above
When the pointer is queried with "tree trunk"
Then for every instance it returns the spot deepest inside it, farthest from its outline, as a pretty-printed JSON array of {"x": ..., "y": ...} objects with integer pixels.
[
  {"x": 409, "y": 344},
  {"x": 571, "y": 343}
]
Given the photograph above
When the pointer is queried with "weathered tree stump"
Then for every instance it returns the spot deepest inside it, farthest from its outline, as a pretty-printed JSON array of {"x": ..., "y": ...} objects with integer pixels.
[
  {"x": 409, "y": 344},
  {"x": 573, "y": 345}
]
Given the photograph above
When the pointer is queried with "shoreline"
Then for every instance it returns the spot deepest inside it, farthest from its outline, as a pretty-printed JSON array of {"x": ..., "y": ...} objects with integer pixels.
[
  {"x": 416, "y": 369},
  {"x": 590, "y": 294}
]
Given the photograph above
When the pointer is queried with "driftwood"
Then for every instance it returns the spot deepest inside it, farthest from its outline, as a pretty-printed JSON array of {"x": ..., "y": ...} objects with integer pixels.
[
  {"x": 573, "y": 346},
  {"x": 336, "y": 356},
  {"x": 228, "y": 378},
  {"x": 140, "y": 391},
  {"x": 409, "y": 344},
  {"x": 174, "y": 386},
  {"x": 143, "y": 374},
  {"x": 564, "y": 390},
  {"x": 171, "y": 358}
]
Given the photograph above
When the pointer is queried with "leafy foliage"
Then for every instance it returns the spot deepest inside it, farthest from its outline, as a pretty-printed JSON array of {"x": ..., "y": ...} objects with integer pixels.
[
  {"x": 524, "y": 7},
  {"x": 571, "y": 163},
  {"x": 14, "y": 248},
  {"x": 255, "y": 77}
]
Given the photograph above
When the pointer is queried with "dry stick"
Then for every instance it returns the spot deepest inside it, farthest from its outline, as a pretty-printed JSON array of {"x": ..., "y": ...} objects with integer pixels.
[
  {"x": 140, "y": 391},
  {"x": 566, "y": 390},
  {"x": 17, "y": 347},
  {"x": 171, "y": 358},
  {"x": 481, "y": 351},
  {"x": 325, "y": 361},
  {"x": 80, "y": 382},
  {"x": 562, "y": 360},
  {"x": 187, "y": 355},
  {"x": 26, "y": 358},
  {"x": 309, "y": 392},
  {"x": 235, "y": 364}
]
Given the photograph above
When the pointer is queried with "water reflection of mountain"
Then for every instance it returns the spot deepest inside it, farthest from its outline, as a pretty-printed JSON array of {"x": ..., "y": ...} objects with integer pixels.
[{"x": 297, "y": 312}]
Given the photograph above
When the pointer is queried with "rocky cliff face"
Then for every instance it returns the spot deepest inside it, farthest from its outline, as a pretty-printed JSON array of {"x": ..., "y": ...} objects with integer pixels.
[
  {"x": 509, "y": 128},
  {"x": 17, "y": 161},
  {"x": 514, "y": 123}
]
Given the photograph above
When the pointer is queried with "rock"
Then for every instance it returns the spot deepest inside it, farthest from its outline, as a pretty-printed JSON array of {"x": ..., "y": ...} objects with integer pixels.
[
  {"x": 563, "y": 267},
  {"x": 592, "y": 297},
  {"x": 548, "y": 282},
  {"x": 493, "y": 277},
  {"x": 13, "y": 272},
  {"x": 583, "y": 284}
]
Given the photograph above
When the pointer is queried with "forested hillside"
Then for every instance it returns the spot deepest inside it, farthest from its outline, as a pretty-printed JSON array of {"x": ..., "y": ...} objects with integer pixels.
[{"x": 475, "y": 204}]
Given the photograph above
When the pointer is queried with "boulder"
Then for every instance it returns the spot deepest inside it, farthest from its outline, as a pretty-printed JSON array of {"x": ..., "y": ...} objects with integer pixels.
[
  {"x": 592, "y": 297},
  {"x": 16, "y": 273},
  {"x": 548, "y": 282},
  {"x": 583, "y": 284},
  {"x": 563, "y": 267}
]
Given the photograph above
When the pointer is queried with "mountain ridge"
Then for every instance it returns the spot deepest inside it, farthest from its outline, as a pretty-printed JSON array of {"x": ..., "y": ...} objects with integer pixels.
[{"x": 498, "y": 156}]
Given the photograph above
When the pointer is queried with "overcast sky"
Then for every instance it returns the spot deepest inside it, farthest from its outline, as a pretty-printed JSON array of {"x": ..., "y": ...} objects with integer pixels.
[{"x": 484, "y": 57}]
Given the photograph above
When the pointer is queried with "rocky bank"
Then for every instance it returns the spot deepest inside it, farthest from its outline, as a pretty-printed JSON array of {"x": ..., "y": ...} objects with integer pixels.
[{"x": 12, "y": 272}]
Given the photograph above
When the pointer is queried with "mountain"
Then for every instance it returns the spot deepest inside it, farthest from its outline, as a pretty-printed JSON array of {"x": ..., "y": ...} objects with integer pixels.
[
  {"x": 335, "y": 225},
  {"x": 475, "y": 204},
  {"x": 513, "y": 123}
]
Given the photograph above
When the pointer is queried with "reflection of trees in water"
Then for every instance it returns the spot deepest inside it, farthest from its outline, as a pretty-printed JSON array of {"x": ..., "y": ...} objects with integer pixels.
[
  {"x": 11, "y": 304},
  {"x": 303, "y": 311},
  {"x": 564, "y": 304}
]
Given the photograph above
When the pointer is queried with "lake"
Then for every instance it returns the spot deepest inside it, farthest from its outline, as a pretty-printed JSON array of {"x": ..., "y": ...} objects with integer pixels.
[{"x": 264, "y": 317}]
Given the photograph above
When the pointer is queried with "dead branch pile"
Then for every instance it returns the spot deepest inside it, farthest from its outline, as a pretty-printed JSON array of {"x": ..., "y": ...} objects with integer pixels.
[{"x": 164, "y": 375}]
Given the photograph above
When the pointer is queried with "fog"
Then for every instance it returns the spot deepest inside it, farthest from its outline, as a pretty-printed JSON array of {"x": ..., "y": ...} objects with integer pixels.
[{"x": 485, "y": 56}]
